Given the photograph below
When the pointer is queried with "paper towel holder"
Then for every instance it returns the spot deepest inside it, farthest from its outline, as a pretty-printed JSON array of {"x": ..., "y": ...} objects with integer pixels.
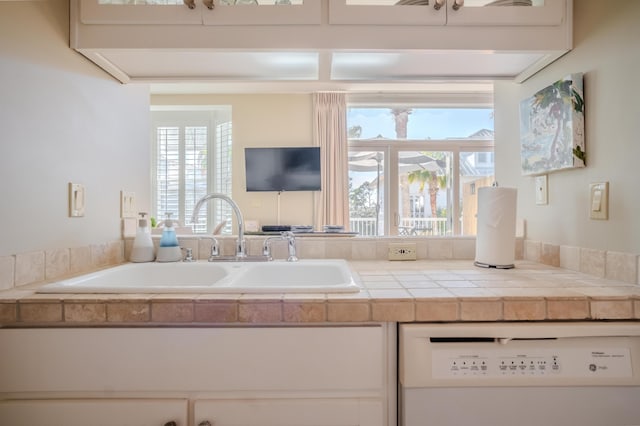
[
  {"x": 496, "y": 255},
  {"x": 486, "y": 265}
]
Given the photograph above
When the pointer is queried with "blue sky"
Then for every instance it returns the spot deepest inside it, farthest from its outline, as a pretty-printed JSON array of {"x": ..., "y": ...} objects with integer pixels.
[{"x": 423, "y": 123}]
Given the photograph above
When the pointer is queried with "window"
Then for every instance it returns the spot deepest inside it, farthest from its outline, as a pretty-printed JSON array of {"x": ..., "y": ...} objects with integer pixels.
[
  {"x": 192, "y": 157},
  {"x": 417, "y": 165}
]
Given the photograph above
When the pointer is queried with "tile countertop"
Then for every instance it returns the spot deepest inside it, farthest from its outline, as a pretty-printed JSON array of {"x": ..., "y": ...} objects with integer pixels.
[{"x": 427, "y": 291}]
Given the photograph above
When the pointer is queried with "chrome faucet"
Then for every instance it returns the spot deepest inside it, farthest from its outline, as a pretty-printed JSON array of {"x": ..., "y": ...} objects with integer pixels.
[
  {"x": 291, "y": 245},
  {"x": 240, "y": 243},
  {"x": 215, "y": 247}
]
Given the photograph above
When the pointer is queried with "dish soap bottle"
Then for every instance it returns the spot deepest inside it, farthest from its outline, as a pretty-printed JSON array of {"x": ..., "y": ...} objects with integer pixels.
[
  {"x": 142, "y": 250},
  {"x": 169, "y": 250}
]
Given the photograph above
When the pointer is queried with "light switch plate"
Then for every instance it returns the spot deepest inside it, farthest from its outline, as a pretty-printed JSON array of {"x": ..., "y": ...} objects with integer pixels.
[
  {"x": 76, "y": 200},
  {"x": 127, "y": 204},
  {"x": 599, "y": 201},
  {"x": 129, "y": 227},
  {"x": 541, "y": 190}
]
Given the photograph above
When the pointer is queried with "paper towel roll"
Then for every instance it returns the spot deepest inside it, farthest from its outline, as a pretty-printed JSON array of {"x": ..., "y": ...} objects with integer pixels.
[{"x": 496, "y": 235}]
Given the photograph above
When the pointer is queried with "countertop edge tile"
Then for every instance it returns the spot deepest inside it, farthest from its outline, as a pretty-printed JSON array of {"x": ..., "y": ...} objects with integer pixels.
[{"x": 25, "y": 307}]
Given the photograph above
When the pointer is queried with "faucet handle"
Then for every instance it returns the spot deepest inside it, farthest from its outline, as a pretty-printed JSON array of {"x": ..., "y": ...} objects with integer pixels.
[
  {"x": 215, "y": 249},
  {"x": 188, "y": 257}
]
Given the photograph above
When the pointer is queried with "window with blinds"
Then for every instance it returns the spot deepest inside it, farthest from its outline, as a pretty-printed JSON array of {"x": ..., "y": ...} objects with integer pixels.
[
  {"x": 222, "y": 177},
  {"x": 192, "y": 157}
]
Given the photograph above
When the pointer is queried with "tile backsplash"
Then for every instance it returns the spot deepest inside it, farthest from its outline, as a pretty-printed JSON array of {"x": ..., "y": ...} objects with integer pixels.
[
  {"x": 599, "y": 263},
  {"x": 38, "y": 266}
]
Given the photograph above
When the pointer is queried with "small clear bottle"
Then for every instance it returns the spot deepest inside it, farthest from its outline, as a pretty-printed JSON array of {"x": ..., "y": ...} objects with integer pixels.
[
  {"x": 169, "y": 250},
  {"x": 143, "y": 250}
]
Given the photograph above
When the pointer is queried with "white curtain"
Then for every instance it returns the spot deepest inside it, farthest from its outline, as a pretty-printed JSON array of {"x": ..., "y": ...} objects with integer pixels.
[{"x": 330, "y": 134}]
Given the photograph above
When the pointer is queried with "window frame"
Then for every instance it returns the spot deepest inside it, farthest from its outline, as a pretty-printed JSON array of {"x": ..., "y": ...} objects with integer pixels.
[{"x": 391, "y": 147}]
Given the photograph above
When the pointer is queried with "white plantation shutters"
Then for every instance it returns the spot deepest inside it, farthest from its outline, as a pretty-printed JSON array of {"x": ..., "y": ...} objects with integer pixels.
[
  {"x": 191, "y": 160},
  {"x": 167, "y": 171},
  {"x": 222, "y": 178}
]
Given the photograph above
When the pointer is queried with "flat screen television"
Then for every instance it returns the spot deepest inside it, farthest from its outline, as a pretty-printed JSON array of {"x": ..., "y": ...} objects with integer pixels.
[{"x": 282, "y": 169}]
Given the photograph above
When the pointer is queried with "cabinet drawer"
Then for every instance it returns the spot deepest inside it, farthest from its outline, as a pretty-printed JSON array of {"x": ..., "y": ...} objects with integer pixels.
[
  {"x": 290, "y": 412},
  {"x": 93, "y": 412},
  {"x": 192, "y": 359}
]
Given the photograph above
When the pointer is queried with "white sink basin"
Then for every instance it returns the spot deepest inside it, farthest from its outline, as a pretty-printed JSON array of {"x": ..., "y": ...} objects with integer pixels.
[
  {"x": 175, "y": 277},
  {"x": 304, "y": 276}
]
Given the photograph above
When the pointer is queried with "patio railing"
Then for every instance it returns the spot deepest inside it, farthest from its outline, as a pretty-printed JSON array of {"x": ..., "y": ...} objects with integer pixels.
[{"x": 409, "y": 226}]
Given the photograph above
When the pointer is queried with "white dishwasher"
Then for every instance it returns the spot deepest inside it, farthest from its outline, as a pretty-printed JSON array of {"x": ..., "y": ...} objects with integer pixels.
[{"x": 519, "y": 374}]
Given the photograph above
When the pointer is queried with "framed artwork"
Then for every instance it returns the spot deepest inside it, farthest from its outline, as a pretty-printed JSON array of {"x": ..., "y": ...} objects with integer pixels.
[{"x": 552, "y": 127}]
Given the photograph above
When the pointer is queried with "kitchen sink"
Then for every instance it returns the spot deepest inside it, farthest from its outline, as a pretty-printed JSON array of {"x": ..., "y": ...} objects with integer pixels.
[
  {"x": 175, "y": 277},
  {"x": 304, "y": 276}
]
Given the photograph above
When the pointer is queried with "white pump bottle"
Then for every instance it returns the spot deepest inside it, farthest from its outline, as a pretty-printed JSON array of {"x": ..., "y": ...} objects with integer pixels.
[{"x": 143, "y": 250}]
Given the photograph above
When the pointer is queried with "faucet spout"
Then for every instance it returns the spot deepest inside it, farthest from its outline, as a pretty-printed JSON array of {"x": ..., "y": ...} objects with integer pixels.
[{"x": 240, "y": 246}]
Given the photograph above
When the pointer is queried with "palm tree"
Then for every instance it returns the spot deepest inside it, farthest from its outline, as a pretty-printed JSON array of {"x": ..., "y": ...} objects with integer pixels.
[
  {"x": 401, "y": 118},
  {"x": 354, "y": 132},
  {"x": 423, "y": 176},
  {"x": 435, "y": 180}
]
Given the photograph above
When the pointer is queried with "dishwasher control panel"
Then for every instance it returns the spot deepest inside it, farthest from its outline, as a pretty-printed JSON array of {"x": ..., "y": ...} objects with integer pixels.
[
  {"x": 503, "y": 362},
  {"x": 513, "y": 354}
]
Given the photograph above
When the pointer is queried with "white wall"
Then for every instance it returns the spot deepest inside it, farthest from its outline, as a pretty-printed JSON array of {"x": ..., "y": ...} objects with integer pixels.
[
  {"x": 606, "y": 40},
  {"x": 63, "y": 120},
  {"x": 262, "y": 120}
]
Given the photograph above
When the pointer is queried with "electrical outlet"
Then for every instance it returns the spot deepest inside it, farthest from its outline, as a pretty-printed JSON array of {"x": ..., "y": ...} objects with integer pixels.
[
  {"x": 541, "y": 190},
  {"x": 127, "y": 204},
  {"x": 402, "y": 251}
]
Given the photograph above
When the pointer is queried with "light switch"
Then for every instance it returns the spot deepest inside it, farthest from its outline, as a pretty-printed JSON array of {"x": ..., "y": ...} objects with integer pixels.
[
  {"x": 127, "y": 204},
  {"x": 541, "y": 190},
  {"x": 599, "y": 201},
  {"x": 76, "y": 200}
]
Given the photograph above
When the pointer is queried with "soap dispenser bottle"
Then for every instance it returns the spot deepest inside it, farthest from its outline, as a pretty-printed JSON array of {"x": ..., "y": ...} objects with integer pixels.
[
  {"x": 169, "y": 250},
  {"x": 142, "y": 250}
]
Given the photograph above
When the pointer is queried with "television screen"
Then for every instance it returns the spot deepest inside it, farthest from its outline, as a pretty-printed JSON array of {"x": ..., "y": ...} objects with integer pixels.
[{"x": 282, "y": 169}]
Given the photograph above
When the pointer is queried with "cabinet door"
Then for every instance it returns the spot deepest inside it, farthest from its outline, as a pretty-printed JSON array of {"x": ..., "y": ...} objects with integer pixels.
[
  {"x": 386, "y": 12},
  {"x": 93, "y": 412},
  {"x": 168, "y": 12},
  {"x": 263, "y": 12},
  {"x": 139, "y": 12},
  {"x": 506, "y": 12},
  {"x": 192, "y": 359},
  {"x": 290, "y": 412}
]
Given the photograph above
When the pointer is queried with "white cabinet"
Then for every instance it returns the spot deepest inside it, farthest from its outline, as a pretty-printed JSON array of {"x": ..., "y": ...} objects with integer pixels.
[
  {"x": 228, "y": 376},
  {"x": 290, "y": 412},
  {"x": 78, "y": 412},
  {"x": 447, "y": 12},
  {"x": 506, "y": 12},
  {"x": 207, "y": 12},
  {"x": 214, "y": 45},
  {"x": 385, "y": 13},
  {"x": 355, "y": 12}
]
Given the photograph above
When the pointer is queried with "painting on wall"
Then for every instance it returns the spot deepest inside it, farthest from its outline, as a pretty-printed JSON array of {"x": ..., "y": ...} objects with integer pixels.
[{"x": 552, "y": 127}]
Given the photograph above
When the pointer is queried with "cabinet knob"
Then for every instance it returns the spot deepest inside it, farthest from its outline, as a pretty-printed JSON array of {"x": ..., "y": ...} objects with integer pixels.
[
  {"x": 171, "y": 423},
  {"x": 191, "y": 4},
  {"x": 457, "y": 4},
  {"x": 205, "y": 423},
  {"x": 209, "y": 4},
  {"x": 437, "y": 4}
]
